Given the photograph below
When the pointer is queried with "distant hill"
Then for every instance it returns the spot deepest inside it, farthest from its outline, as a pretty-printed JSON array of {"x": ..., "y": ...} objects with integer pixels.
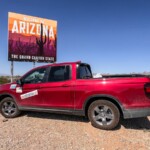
[{"x": 3, "y": 74}]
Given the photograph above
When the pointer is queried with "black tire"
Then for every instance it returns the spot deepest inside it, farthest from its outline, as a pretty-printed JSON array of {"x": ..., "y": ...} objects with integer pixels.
[
  {"x": 103, "y": 115},
  {"x": 9, "y": 108}
]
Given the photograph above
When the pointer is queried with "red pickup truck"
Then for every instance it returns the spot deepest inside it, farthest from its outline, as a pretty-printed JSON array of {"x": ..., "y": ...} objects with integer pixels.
[{"x": 69, "y": 88}]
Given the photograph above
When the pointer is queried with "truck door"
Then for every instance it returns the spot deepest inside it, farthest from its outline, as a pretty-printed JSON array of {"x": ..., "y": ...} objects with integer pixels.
[
  {"x": 30, "y": 92},
  {"x": 58, "y": 92}
]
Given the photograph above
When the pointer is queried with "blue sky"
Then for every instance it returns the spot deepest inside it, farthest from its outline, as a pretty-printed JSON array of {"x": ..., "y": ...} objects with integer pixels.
[{"x": 111, "y": 35}]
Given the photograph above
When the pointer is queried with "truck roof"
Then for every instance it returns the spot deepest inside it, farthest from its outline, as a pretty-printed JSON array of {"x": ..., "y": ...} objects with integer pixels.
[{"x": 57, "y": 64}]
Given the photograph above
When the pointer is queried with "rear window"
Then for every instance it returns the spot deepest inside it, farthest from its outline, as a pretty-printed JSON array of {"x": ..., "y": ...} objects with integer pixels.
[{"x": 83, "y": 72}]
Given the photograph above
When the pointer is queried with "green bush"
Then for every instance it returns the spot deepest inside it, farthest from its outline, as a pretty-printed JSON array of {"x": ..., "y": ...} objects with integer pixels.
[{"x": 4, "y": 80}]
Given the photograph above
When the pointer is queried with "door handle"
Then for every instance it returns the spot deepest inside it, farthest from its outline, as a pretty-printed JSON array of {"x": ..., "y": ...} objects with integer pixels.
[
  {"x": 38, "y": 87},
  {"x": 65, "y": 85}
]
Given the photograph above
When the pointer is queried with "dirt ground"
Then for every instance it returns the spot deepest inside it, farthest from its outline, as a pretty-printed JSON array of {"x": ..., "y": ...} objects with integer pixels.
[{"x": 44, "y": 131}]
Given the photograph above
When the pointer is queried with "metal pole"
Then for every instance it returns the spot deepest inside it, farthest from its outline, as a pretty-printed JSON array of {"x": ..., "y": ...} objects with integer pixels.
[
  {"x": 34, "y": 64},
  {"x": 12, "y": 71}
]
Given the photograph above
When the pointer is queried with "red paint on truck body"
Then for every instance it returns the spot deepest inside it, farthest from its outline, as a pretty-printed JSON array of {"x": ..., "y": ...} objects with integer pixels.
[{"x": 74, "y": 93}]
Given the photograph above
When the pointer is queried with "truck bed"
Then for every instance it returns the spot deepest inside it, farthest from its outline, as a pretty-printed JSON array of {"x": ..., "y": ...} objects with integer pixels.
[{"x": 124, "y": 75}]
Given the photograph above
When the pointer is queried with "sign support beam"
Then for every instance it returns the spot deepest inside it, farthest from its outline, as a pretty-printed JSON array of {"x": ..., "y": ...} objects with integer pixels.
[
  {"x": 12, "y": 71},
  {"x": 34, "y": 64}
]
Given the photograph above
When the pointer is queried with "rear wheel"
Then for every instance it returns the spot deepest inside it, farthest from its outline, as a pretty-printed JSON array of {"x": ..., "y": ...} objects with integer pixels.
[
  {"x": 103, "y": 114},
  {"x": 9, "y": 108}
]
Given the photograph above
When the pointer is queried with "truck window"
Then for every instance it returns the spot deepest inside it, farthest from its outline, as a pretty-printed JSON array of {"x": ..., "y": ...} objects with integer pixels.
[
  {"x": 35, "y": 76},
  {"x": 84, "y": 72},
  {"x": 59, "y": 73}
]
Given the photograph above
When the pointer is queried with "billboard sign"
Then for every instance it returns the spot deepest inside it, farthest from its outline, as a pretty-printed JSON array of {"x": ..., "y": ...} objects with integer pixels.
[{"x": 31, "y": 38}]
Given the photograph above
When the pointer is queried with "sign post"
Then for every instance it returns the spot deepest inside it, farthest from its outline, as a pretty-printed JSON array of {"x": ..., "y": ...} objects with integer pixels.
[
  {"x": 12, "y": 71},
  {"x": 34, "y": 64}
]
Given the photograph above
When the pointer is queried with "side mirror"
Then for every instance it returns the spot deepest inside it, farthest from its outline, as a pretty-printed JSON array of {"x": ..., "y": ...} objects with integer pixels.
[{"x": 19, "y": 82}]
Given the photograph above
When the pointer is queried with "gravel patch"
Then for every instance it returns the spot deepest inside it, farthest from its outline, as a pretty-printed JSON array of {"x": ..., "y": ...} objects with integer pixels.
[{"x": 45, "y": 131}]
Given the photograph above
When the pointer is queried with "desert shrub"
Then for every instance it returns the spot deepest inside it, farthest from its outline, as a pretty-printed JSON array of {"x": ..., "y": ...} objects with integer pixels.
[{"x": 4, "y": 80}]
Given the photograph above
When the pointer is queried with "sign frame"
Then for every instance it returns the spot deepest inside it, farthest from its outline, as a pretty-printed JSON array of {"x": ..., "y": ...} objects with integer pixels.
[{"x": 31, "y": 39}]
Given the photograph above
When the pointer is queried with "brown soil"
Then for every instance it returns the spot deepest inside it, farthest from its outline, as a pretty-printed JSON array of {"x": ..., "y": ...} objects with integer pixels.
[{"x": 44, "y": 131}]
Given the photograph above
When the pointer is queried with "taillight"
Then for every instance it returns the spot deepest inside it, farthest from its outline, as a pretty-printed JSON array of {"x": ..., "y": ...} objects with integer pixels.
[{"x": 147, "y": 89}]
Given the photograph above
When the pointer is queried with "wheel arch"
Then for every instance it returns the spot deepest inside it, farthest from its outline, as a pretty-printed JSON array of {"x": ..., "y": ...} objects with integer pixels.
[
  {"x": 102, "y": 97},
  {"x": 4, "y": 95}
]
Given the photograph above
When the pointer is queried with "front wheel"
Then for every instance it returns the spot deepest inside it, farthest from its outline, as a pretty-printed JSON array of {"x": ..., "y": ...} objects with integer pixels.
[
  {"x": 9, "y": 108},
  {"x": 103, "y": 114}
]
